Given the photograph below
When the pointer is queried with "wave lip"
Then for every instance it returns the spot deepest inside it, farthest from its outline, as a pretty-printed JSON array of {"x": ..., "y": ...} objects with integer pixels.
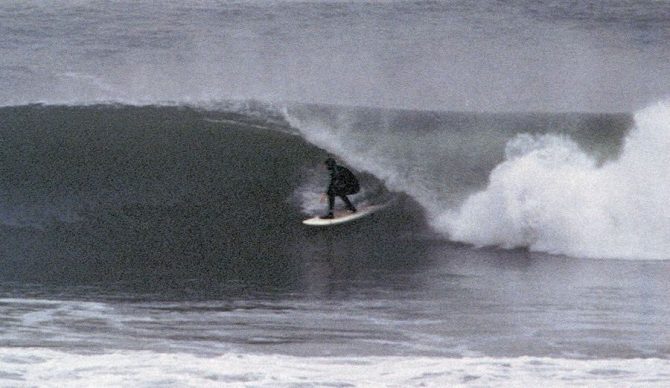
[{"x": 549, "y": 196}]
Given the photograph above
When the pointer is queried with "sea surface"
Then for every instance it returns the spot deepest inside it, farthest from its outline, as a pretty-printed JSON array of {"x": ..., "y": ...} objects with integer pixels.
[{"x": 157, "y": 159}]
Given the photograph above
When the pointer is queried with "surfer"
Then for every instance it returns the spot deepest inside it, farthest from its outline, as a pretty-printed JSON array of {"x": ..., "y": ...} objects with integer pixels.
[{"x": 342, "y": 183}]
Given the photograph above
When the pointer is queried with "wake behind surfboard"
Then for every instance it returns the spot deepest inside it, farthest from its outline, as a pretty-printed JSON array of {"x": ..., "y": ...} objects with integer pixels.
[{"x": 344, "y": 216}]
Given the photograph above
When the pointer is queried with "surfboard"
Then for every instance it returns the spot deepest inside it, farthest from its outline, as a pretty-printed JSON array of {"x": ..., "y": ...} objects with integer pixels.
[{"x": 344, "y": 216}]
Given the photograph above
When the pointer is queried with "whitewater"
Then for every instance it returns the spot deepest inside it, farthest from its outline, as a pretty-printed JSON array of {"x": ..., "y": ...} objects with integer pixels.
[{"x": 549, "y": 195}]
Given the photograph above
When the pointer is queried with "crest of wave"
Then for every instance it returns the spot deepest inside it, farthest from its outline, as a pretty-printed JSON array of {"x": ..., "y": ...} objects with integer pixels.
[
  {"x": 548, "y": 195},
  {"x": 382, "y": 154}
]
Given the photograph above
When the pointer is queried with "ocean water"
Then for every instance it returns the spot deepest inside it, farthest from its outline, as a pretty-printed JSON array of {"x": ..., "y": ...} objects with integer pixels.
[{"x": 156, "y": 161}]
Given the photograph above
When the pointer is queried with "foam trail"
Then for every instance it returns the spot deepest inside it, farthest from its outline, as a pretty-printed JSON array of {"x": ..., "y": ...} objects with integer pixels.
[{"x": 548, "y": 195}]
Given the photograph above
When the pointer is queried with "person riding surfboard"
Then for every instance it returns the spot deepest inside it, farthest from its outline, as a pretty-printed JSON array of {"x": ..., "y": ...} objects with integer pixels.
[{"x": 342, "y": 183}]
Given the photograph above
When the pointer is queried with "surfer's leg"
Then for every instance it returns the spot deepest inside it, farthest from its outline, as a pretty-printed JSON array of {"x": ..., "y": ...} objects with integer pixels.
[
  {"x": 331, "y": 202},
  {"x": 331, "y": 205},
  {"x": 350, "y": 206}
]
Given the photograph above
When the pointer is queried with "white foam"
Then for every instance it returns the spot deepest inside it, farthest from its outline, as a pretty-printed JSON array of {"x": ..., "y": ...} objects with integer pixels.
[
  {"x": 50, "y": 368},
  {"x": 548, "y": 195}
]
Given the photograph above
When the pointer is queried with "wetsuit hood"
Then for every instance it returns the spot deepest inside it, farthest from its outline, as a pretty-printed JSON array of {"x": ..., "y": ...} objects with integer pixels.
[{"x": 330, "y": 163}]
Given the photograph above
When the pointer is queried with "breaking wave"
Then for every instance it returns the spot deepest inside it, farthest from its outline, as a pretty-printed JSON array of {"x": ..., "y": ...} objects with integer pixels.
[{"x": 549, "y": 195}]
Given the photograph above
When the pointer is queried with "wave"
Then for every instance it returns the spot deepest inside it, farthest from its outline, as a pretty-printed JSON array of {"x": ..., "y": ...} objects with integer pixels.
[
  {"x": 272, "y": 370},
  {"x": 440, "y": 157},
  {"x": 578, "y": 185},
  {"x": 557, "y": 184},
  {"x": 115, "y": 184},
  {"x": 131, "y": 193},
  {"x": 549, "y": 195}
]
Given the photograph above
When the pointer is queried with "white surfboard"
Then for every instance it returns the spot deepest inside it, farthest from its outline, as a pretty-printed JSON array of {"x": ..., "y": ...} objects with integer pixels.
[{"x": 344, "y": 216}]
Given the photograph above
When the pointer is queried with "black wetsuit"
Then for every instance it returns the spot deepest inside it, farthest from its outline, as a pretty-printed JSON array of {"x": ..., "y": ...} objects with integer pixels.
[{"x": 342, "y": 183}]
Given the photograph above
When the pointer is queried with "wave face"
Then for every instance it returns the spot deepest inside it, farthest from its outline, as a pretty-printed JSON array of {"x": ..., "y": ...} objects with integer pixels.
[
  {"x": 117, "y": 193},
  {"x": 549, "y": 195},
  {"x": 112, "y": 192}
]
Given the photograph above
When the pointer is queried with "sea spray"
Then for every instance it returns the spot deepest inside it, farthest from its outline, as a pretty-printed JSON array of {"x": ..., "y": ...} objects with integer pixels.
[
  {"x": 408, "y": 159},
  {"x": 548, "y": 195}
]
